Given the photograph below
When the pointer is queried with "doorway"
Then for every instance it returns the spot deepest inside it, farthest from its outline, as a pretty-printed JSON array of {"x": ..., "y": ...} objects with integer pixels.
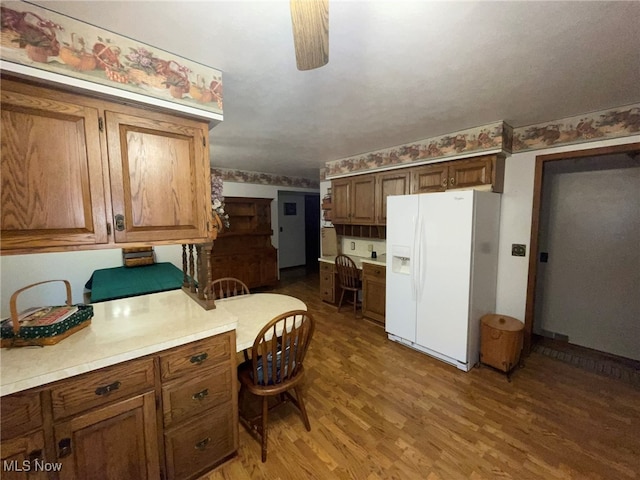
[
  {"x": 299, "y": 229},
  {"x": 584, "y": 265}
]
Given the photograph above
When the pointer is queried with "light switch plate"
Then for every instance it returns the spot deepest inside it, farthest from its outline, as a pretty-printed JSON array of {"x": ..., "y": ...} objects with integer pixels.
[{"x": 518, "y": 250}]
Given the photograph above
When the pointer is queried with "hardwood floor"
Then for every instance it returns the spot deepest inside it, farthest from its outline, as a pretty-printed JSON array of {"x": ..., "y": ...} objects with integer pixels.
[{"x": 379, "y": 410}]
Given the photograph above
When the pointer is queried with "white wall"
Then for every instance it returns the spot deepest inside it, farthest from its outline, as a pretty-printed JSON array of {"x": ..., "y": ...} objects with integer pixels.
[
  {"x": 515, "y": 223},
  {"x": 291, "y": 231},
  {"x": 17, "y": 271}
]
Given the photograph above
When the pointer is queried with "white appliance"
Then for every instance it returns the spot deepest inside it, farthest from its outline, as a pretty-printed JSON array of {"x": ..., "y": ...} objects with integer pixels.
[{"x": 442, "y": 256}]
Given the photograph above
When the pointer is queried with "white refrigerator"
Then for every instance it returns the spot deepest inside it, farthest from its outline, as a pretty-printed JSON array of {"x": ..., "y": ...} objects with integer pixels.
[{"x": 442, "y": 256}]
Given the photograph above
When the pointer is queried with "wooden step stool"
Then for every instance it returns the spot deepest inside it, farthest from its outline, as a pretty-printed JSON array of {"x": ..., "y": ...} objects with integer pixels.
[{"x": 501, "y": 340}]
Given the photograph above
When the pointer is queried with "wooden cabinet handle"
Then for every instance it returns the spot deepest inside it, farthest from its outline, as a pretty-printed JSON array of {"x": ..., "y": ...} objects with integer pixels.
[
  {"x": 198, "y": 359},
  {"x": 107, "y": 389},
  {"x": 452, "y": 181},
  {"x": 202, "y": 444},
  {"x": 64, "y": 448},
  {"x": 200, "y": 395},
  {"x": 119, "y": 222},
  {"x": 444, "y": 182}
]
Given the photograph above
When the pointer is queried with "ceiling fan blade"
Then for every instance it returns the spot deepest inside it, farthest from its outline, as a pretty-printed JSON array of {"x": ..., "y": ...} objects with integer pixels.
[{"x": 310, "y": 20}]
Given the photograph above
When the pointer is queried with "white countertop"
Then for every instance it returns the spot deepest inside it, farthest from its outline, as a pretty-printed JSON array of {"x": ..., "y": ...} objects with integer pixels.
[
  {"x": 381, "y": 260},
  {"x": 130, "y": 328}
]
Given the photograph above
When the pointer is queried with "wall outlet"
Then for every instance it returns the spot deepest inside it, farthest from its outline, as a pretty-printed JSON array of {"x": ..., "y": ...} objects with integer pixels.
[
  {"x": 370, "y": 247},
  {"x": 353, "y": 245},
  {"x": 518, "y": 250}
]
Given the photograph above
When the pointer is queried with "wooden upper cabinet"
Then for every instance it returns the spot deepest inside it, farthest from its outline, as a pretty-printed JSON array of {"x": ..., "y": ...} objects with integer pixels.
[
  {"x": 362, "y": 200},
  {"x": 470, "y": 173},
  {"x": 341, "y": 193},
  {"x": 81, "y": 172},
  {"x": 52, "y": 177},
  {"x": 159, "y": 182},
  {"x": 353, "y": 200},
  {"x": 389, "y": 183},
  {"x": 429, "y": 178}
]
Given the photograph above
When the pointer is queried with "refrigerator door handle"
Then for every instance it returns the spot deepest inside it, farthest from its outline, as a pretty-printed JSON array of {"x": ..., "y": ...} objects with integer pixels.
[
  {"x": 423, "y": 257},
  {"x": 414, "y": 260}
]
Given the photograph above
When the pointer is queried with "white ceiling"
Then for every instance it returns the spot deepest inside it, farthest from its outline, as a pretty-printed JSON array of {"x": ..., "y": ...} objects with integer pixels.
[{"x": 398, "y": 71}]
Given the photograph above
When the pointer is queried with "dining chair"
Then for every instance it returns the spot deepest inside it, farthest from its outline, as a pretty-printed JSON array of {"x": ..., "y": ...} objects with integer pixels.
[
  {"x": 275, "y": 368},
  {"x": 349, "y": 279},
  {"x": 226, "y": 287}
]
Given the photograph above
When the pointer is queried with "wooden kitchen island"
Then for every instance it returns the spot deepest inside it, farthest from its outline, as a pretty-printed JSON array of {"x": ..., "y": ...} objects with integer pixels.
[{"x": 147, "y": 391}]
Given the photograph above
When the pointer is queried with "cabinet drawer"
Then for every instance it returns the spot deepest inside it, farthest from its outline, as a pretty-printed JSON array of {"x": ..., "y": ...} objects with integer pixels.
[
  {"x": 196, "y": 356},
  {"x": 185, "y": 398},
  {"x": 100, "y": 387},
  {"x": 374, "y": 271},
  {"x": 326, "y": 267},
  {"x": 21, "y": 412},
  {"x": 200, "y": 443}
]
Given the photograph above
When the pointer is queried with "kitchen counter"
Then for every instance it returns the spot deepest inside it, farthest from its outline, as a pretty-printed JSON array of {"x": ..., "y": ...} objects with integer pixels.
[
  {"x": 381, "y": 260},
  {"x": 120, "y": 330}
]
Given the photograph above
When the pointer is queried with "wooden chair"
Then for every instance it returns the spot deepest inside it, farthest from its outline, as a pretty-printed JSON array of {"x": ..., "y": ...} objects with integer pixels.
[
  {"x": 275, "y": 368},
  {"x": 226, "y": 287},
  {"x": 349, "y": 278}
]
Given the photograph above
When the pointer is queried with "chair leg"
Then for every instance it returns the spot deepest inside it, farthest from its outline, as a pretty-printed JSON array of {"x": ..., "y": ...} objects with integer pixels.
[
  {"x": 341, "y": 297},
  {"x": 265, "y": 412},
  {"x": 303, "y": 410},
  {"x": 355, "y": 304}
]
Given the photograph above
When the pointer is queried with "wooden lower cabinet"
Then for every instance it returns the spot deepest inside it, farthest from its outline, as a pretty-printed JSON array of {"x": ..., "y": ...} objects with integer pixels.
[
  {"x": 170, "y": 415},
  {"x": 116, "y": 441},
  {"x": 328, "y": 283},
  {"x": 374, "y": 291}
]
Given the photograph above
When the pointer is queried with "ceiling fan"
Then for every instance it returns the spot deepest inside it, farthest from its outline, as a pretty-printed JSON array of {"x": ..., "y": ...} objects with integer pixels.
[{"x": 310, "y": 21}]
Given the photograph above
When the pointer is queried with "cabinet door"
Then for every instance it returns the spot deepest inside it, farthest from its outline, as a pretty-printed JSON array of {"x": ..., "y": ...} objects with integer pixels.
[
  {"x": 374, "y": 292},
  {"x": 117, "y": 441},
  {"x": 341, "y": 193},
  {"x": 52, "y": 182},
  {"x": 327, "y": 282},
  {"x": 269, "y": 268},
  {"x": 362, "y": 200},
  {"x": 23, "y": 458},
  {"x": 160, "y": 177},
  {"x": 430, "y": 178},
  {"x": 472, "y": 172},
  {"x": 391, "y": 183}
]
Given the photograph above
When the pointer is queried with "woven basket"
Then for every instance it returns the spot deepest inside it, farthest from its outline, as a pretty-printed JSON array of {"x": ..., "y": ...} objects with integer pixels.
[
  {"x": 15, "y": 335},
  {"x": 141, "y": 77},
  {"x": 7, "y": 38}
]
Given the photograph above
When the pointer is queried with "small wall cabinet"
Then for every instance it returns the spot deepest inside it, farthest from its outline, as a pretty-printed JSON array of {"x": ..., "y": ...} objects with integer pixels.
[
  {"x": 466, "y": 173},
  {"x": 81, "y": 172},
  {"x": 374, "y": 291}
]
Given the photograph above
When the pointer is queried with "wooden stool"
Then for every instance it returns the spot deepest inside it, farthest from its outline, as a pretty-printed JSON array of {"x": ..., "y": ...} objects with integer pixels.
[{"x": 501, "y": 342}]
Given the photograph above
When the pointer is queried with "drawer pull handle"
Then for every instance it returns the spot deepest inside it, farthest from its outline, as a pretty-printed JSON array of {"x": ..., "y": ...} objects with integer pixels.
[
  {"x": 35, "y": 455},
  {"x": 107, "y": 389},
  {"x": 202, "y": 444},
  {"x": 64, "y": 448},
  {"x": 198, "y": 359},
  {"x": 200, "y": 395}
]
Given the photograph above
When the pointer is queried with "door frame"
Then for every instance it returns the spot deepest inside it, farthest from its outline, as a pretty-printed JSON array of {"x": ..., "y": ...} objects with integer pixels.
[{"x": 541, "y": 160}]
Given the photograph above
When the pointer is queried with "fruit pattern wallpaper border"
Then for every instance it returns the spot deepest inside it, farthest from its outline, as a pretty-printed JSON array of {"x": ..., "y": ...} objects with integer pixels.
[
  {"x": 473, "y": 141},
  {"x": 43, "y": 39},
  {"x": 605, "y": 124},
  {"x": 243, "y": 176},
  {"x": 613, "y": 123}
]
